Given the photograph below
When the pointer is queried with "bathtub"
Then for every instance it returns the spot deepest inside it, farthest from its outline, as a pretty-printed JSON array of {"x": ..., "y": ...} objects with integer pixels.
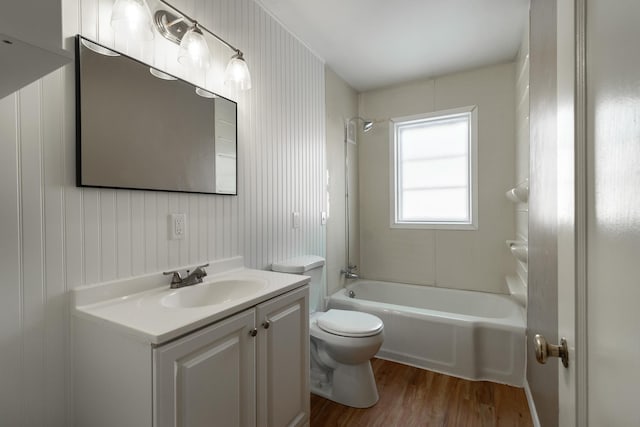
[{"x": 471, "y": 335}]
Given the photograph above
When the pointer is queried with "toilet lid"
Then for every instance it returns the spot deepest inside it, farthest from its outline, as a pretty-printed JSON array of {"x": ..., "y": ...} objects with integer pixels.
[
  {"x": 299, "y": 265},
  {"x": 349, "y": 323}
]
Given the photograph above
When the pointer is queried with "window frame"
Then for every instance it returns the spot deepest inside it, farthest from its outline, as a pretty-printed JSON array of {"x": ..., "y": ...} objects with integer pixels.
[{"x": 395, "y": 124}]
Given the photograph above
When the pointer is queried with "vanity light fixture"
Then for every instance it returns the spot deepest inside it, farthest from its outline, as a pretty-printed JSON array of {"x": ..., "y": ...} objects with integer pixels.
[
  {"x": 194, "y": 50},
  {"x": 161, "y": 74},
  {"x": 98, "y": 49},
  {"x": 205, "y": 93},
  {"x": 237, "y": 72},
  {"x": 133, "y": 17}
]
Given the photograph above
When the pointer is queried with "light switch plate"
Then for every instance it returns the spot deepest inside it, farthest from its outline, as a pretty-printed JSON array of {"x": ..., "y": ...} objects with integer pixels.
[{"x": 295, "y": 219}]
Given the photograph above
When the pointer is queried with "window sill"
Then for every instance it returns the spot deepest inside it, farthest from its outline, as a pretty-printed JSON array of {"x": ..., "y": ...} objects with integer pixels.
[{"x": 434, "y": 226}]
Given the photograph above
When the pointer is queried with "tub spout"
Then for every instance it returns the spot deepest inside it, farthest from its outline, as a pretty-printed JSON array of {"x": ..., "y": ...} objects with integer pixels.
[
  {"x": 349, "y": 275},
  {"x": 349, "y": 272}
]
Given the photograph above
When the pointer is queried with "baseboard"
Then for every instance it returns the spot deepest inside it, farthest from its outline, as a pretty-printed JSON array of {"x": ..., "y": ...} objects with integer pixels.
[
  {"x": 532, "y": 405},
  {"x": 438, "y": 367}
]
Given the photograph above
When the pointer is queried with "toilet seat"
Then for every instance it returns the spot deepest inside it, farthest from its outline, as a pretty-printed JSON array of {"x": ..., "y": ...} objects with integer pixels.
[{"x": 349, "y": 323}]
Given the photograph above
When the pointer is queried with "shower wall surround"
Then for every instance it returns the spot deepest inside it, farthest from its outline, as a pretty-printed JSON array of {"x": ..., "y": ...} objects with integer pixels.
[
  {"x": 342, "y": 103},
  {"x": 475, "y": 260},
  {"x": 55, "y": 237}
]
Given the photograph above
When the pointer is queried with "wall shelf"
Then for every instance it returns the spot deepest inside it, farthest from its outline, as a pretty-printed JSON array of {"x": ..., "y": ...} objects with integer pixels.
[
  {"x": 517, "y": 289},
  {"x": 23, "y": 63},
  {"x": 519, "y": 193},
  {"x": 519, "y": 249}
]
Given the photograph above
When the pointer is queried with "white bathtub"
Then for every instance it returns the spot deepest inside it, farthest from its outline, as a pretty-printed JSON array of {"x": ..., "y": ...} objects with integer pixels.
[{"x": 472, "y": 335}]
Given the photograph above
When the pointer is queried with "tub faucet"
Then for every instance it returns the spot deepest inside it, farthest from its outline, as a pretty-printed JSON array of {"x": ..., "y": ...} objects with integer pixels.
[
  {"x": 349, "y": 272},
  {"x": 193, "y": 278}
]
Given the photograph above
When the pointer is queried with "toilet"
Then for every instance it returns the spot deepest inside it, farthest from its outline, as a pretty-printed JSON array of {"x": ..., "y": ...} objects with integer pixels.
[{"x": 342, "y": 342}]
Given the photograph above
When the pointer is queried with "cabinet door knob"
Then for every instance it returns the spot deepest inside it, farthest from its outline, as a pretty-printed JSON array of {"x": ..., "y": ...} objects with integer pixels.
[
  {"x": 253, "y": 332},
  {"x": 266, "y": 324}
]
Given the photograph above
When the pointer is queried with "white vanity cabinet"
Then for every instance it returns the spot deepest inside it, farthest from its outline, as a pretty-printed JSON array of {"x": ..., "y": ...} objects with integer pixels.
[
  {"x": 283, "y": 360},
  {"x": 248, "y": 369},
  {"x": 220, "y": 375},
  {"x": 208, "y": 377}
]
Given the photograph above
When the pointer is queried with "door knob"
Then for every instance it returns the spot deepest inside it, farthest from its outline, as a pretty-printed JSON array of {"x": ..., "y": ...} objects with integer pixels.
[{"x": 545, "y": 350}]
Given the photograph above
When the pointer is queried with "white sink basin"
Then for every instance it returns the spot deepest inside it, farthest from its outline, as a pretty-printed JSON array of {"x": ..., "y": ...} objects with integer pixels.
[{"x": 213, "y": 293}]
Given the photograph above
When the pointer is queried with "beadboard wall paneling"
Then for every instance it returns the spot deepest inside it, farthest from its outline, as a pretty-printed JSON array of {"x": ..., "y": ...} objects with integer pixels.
[
  {"x": 11, "y": 289},
  {"x": 55, "y": 237}
]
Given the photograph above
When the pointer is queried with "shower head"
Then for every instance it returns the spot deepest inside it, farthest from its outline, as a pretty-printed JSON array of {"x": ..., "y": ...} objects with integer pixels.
[{"x": 366, "y": 124}]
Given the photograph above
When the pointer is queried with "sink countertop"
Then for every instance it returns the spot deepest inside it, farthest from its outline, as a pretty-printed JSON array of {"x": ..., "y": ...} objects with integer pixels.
[{"x": 134, "y": 305}]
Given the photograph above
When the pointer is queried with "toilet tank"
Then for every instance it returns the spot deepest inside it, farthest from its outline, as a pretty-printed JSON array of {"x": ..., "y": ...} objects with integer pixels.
[{"x": 308, "y": 265}]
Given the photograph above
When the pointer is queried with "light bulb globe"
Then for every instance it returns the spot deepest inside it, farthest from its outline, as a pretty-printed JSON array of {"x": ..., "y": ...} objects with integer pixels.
[
  {"x": 237, "y": 73},
  {"x": 132, "y": 19},
  {"x": 194, "y": 51}
]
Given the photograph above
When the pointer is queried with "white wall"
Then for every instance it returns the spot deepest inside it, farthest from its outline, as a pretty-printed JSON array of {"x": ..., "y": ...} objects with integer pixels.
[
  {"x": 476, "y": 260},
  {"x": 342, "y": 104},
  {"x": 55, "y": 237}
]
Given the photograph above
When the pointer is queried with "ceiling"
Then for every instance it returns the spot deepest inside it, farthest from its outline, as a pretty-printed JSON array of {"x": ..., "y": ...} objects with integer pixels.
[{"x": 377, "y": 43}]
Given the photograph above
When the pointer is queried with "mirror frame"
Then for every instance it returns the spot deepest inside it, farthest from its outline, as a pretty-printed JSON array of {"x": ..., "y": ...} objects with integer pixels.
[{"x": 78, "y": 116}]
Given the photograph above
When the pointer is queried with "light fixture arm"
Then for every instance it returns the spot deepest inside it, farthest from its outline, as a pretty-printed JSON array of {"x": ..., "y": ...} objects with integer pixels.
[
  {"x": 202, "y": 27},
  {"x": 174, "y": 22}
]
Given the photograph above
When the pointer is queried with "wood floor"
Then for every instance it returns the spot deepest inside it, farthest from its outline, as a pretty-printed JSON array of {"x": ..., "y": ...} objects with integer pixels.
[{"x": 414, "y": 397}]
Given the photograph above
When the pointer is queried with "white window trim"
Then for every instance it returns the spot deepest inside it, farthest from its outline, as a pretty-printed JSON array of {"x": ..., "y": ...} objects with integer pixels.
[{"x": 473, "y": 171}]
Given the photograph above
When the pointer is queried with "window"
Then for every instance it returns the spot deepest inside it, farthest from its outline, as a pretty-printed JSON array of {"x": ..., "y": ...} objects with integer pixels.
[{"x": 433, "y": 170}]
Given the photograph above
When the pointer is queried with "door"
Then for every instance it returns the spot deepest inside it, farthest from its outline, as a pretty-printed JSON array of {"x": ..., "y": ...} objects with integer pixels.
[
  {"x": 598, "y": 211},
  {"x": 208, "y": 377},
  {"x": 542, "y": 308},
  {"x": 283, "y": 360},
  {"x": 571, "y": 200},
  {"x": 556, "y": 206}
]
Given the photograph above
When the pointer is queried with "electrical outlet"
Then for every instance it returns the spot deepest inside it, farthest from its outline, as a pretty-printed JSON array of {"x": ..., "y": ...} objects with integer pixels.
[
  {"x": 295, "y": 219},
  {"x": 177, "y": 226},
  {"x": 323, "y": 218}
]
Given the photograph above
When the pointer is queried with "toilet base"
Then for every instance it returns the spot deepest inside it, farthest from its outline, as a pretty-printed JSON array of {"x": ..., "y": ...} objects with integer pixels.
[{"x": 349, "y": 385}]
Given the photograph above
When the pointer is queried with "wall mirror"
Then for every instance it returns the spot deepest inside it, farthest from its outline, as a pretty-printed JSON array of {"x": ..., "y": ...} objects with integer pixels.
[{"x": 140, "y": 128}]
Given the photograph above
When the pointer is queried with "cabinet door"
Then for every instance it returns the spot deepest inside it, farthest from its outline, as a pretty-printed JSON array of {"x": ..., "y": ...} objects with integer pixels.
[
  {"x": 208, "y": 377},
  {"x": 283, "y": 360}
]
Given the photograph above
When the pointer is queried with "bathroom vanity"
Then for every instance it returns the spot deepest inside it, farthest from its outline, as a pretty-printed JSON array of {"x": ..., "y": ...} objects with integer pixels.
[{"x": 233, "y": 351}]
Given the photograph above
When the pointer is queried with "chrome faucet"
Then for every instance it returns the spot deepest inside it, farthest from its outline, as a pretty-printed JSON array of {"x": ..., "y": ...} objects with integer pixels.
[
  {"x": 193, "y": 278},
  {"x": 349, "y": 272}
]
